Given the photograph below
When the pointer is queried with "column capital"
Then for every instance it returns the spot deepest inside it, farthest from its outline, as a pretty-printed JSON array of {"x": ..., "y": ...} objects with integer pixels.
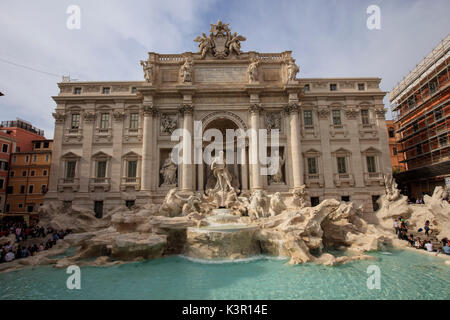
[
  {"x": 323, "y": 112},
  {"x": 89, "y": 116},
  {"x": 59, "y": 116},
  {"x": 255, "y": 108},
  {"x": 291, "y": 107},
  {"x": 149, "y": 109},
  {"x": 186, "y": 109}
]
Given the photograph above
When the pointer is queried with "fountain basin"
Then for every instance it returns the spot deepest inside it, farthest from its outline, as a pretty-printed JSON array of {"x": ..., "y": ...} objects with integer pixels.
[{"x": 230, "y": 241}]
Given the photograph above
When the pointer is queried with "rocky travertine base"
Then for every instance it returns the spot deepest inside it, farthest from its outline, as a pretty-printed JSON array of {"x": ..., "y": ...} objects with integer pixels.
[{"x": 260, "y": 224}]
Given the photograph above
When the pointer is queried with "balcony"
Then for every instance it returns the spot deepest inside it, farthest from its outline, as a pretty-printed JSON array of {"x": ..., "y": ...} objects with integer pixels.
[
  {"x": 69, "y": 183},
  {"x": 73, "y": 135},
  {"x": 343, "y": 178},
  {"x": 130, "y": 182},
  {"x": 99, "y": 183},
  {"x": 371, "y": 178},
  {"x": 312, "y": 180}
]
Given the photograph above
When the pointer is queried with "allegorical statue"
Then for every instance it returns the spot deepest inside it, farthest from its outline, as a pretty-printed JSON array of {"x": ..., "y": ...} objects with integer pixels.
[
  {"x": 169, "y": 172},
  {"x": 292, "y": 69},
  {"x": 234, "y": 43},
  {"x": 148, "y": 70},
  {"x": 220, "y": 171},
  {"x": 204, "y": 44},
  {"x": 186, "y": 71},
  {"x": 278, "y": 176},
  {"x": 252, "y": 71}
]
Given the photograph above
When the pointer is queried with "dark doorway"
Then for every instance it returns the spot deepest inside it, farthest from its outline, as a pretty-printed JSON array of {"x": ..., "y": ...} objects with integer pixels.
[
  {"x": 129, "y": 203},
  {"x": 375, "y": 203},
  {"x": 314, "y": 201},
  {"x": 98, "y": 209}
]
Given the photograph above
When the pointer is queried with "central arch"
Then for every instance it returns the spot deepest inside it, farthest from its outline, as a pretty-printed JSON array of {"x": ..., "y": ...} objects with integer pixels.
[{"x": 223, "y": 120}]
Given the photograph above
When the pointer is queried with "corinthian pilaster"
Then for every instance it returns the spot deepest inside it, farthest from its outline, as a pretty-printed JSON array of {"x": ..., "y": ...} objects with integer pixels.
[
  {"x": 187, "y": 185},
  {"x": 297, "y": 161},
  {"x": 149, "y": 111},
  {"x": 255, "y": 175}
]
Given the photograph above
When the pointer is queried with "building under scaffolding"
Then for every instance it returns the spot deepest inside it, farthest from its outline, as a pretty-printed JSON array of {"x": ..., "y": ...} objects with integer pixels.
[{"x": 420, "y": 103}]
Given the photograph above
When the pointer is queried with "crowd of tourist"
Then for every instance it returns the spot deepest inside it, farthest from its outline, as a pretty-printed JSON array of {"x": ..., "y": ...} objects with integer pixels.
[
  {"x": 401, "y": 230},
  {"x": 24, "y": 232}
]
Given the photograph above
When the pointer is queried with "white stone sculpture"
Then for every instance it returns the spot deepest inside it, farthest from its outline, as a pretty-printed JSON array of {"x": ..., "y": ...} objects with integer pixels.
[
  {"x": 169, "y": 172},
  {"x": 258, "y": 205},
  {"x": 252, "y": 71},
  {"x": 186, "y": 71},
  {"x": 277, "y": 178},
  {"x": 220, "y": 171},
  {"x": 391, "y": 191},
  {"x": 234, "y": 44},
  {"x": 299, "y": 197},
  {"x": 147, "y": 66},
  {"x": 276, "y": 205},
  {"x": 168, "y": 125},
  {"x": 292, "y": 69}
]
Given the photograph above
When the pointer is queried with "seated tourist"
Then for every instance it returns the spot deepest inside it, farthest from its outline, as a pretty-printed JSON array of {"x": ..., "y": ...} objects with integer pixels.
[
  {"x": 9, "y": 256},
  {"x": 411, "y": 240},
  {"x": 427, "y": 227},
  {"x": 418, "y": 244},
  {"x": 429, "y": 246},
  {"x": 446, "y": 248}
]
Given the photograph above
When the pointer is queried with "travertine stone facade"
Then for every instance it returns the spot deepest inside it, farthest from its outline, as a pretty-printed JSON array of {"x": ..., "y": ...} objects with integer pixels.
[{"x": 112, "y": 139}]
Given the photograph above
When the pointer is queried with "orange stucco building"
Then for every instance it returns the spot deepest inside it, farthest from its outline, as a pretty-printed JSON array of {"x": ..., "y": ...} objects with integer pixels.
[
  {"x": 28, "y": 179},
  {"x": 397, "y": 159}
]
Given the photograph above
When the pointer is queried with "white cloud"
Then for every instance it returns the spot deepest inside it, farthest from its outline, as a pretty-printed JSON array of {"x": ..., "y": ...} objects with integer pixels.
[{"x": 328, "y": 38}]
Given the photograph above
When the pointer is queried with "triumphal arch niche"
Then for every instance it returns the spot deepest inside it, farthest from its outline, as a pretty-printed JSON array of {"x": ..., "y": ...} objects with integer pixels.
[{"x": 331, "y": 134}]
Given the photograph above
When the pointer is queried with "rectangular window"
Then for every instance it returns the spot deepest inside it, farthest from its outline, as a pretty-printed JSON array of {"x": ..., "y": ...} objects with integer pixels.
[
  {"x": 5, "y": 148},
  {"x": 375, "y": 203},
  {"x": 24, "y": 173},
  {"x": 12, "y": 174},
  {"x": 44, "y": 173},
  {"x": 20, "y": 205},
  {"x": 134, "y": 120},
  {"x": 34, "y": 158},
  {"x": 361, "y": 87},
  {"x": 337, "y": 117},
  {"x": 104, "y": 122},
  {"x": 106, "y": 90},
  {"x": 46, "y": 144},
  {"x": 371, "y": 166},
  {"x": 77, "y": 91},
  {"x": 133, "y": 90},
  {"x": 443, "y": 141},
  {"x": 43, "y": 188},
  {"x": 345, "y": 198},
  {"x": 22, "y": 189},
  {"x": 9, "y": 189},
  {"x": 438, "y": 114},
  {"x": 30, "y": 189},
  {"x": 2, "y": 181},
  {"x": 14, "y": 159},
  {"x": 27, "y": 158},
  {"x": 333, "y": 87},
  {"x": 306, "y": 87},
  {"x": 433, "y": 86},
  {"x": 342, "y": 166},
  {"x": 101, "y": 169},
  {"x": 132, "y": 169},
  {"x": 312, "y": 166},
  {"x": 394, "y": 151},
  {"x": 307, "y": 114},
  {"x": 37, "y": 145},
  {"x": 365, "y": 117},
  {"x": 32, "y": 173},
  {"x": 419, "y": 149},
  {"x": 70, "y": 169},
  {"x": 75, "y": 121}
]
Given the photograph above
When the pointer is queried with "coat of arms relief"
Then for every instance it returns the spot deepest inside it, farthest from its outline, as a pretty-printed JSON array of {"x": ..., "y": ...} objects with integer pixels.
[{"x": 221, "y": 42}]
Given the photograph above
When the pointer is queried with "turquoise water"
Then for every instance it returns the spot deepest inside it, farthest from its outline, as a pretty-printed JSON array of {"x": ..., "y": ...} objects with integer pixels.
[{"x": 404, "y": 275}]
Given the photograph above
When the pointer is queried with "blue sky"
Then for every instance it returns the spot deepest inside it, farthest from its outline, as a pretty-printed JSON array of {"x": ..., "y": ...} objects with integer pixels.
[{"x": 328, "y": 39}]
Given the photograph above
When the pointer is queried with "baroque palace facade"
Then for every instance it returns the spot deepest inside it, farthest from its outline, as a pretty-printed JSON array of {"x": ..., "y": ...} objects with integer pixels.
[{"x": 112, "y": 140}]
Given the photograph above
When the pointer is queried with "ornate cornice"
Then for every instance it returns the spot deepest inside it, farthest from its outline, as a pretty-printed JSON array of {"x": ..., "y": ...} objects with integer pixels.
[
  {"x": 323, "y": 112},
  {"x": 351, "y": 113},
  {"x": 118, "y": 115},
  {"x": 89, "y": 116}
]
